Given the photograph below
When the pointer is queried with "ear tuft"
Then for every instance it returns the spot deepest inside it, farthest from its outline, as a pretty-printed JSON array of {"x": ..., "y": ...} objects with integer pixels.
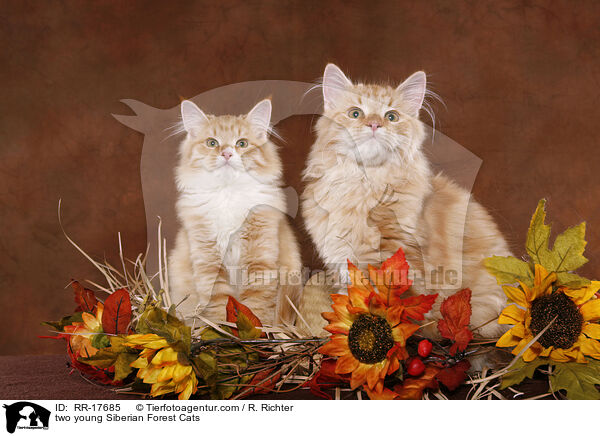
[
  {"x": 413, "y": 92},
  {"x": 192, "y": 116},
  {"x": 334, "y": 84},
  {"x": 260, "y": 116}
]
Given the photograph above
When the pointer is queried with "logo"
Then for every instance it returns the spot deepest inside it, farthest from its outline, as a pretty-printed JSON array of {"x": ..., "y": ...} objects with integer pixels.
[{"x": 26, "y": 415}]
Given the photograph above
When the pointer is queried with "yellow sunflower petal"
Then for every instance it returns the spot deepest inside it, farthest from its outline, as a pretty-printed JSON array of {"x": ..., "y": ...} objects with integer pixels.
[
  {"x": 180, "y": 372},
  {"x": 590, "y": 347},
  {"x": 510, "y": 338},
  {"x": 162, "y": 388},
  {"x": 150, "y": 375},
  {"x": 140, "y": 363},
  {"x": 375, "y": 373},
  {"x": 346, "y": 364},
  {"x": 591, "y": 310},
  {"x": 559, "y": 355},
  {"x": 516, "y": 295},
  {"x": 337, "y": 346},
  {"x": 360, "y": 287},
  {"x": 580, "y": 296},
  {"x": 403, "y": 331},
  {"x": 166, "y": 355},
  {"x": 592, "y": 330},
  {"x": 166, "y": 373},
  {"x": 91, "y": 322},
  {"x": 532, "y": 352},
  {"x": 511, "y": 315},
  {"x": 359, "y": 375}
]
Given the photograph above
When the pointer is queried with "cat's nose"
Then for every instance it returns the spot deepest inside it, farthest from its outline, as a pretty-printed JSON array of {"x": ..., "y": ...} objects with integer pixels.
[
  {"x": 226, "y": 154},
  {"x": 374, "y": 125}
]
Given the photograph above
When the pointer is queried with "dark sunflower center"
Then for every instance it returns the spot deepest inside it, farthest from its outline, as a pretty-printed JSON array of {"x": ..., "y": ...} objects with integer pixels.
[
  {"x": 565, "y": 330},
  {"x": 370, "y": 338}
]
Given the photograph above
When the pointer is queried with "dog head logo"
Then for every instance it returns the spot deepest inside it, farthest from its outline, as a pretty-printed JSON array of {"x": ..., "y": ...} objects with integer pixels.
[{"x": 26, "y": 415}]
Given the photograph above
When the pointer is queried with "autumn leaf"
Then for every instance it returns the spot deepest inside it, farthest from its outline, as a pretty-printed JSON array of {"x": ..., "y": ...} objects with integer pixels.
[
  {"x": 509, "y": 269},
  {"x": 326, "y": 378},
  {"x": 84, "y": 298},
  {"x": 566, "y": 254},
  {"x": 416, "y": 307},
  {"x": 521, "y": 370},
  {"x": 391, "y": 279},
  {"x": 579, "y": 380},
  {"x": 262, "y": 383},
  {"x": 234, "y": 308},
  {"x": 456, "y": 313},
  {"x": 117, "y": 313},
  {"x": 453, "y": 376},
  {"x": 412, "y": 388}
]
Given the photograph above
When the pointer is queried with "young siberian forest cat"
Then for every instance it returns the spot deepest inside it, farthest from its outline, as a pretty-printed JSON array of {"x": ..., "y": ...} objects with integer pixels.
[
  {"x": 370, "y": 190},
  {"x": 234, "y": 237}
]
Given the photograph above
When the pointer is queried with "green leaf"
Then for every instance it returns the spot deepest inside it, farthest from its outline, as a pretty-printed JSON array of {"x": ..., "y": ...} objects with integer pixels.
[
  {"x": 157, "y": 321},
  {"x": 579, "y": 380},
  {"x": 122, "y": 368},
  {"x": 245, "y": 327},
  {"x": 206, "y": 365},
  {"x": 100, "y": 341},
  {"x": 538, "y": 235},
  {"x": 509, "y": 269},
  {"x": 571, "y": 280},
  {"x": 521, "y": 370},
  {"x": 102, "y": 359},
  {"x": 59, "y": 326},
  {"x": 566, "y": 254}
]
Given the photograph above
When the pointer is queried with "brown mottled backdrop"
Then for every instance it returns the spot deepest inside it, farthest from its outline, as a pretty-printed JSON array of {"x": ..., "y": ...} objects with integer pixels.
[{"x": 520, "y": 80}]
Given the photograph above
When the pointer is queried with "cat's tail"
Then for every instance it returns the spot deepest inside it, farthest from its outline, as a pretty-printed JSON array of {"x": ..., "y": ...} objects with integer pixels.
[{"x": 315, "y": 300}]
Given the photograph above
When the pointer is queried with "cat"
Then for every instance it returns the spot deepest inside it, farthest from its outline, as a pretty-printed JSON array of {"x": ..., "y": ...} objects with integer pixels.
[
  {"x": 369, "y": 190},
  {"x": 234, "y": 238}
]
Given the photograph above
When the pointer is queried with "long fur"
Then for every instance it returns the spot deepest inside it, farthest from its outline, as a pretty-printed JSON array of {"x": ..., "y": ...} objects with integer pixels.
[
  {"x": 367, "y": 194},
  {"x": 234, "y": 237}
]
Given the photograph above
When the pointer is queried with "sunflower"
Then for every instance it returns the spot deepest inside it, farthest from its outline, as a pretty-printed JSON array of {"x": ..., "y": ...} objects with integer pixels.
[
  {"x": 573, "y": 334},
  {"x": 81, "y": 333},
  {"x": 368, "y": 335},
  {"x": 160, "y": 365}
]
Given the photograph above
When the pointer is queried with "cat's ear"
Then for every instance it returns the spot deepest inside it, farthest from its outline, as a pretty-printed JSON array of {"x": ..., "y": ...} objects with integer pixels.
[
  {"x": 193, "y": 117},
  {"x": 413, "y": 92},
  {"x": 335, "y": 83},
  {"x": 260, "y": 117}
]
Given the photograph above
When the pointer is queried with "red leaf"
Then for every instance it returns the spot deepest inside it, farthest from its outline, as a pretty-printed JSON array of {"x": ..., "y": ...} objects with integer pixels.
[
  {"x": 391, "y": 280},
  {"x": 117, "y": 312},
  {"x": 85, "y": 298},
  {"x": 234, "y": 307},
  {"x": 416, "y": 307},
  {"x": 412, "y": 388},
  {"x": 456, "y": 313},
  {"x": 326, "y": 378},
  {"x": 453, "y": 376},
  {"x": 100, "y": 375},
  {"x": 262, "y": 383}
]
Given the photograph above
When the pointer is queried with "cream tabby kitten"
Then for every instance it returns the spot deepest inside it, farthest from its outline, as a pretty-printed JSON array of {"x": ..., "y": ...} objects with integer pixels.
[
  {"x": 234, "y": 237},
  {"x": 370, "y": 190}
]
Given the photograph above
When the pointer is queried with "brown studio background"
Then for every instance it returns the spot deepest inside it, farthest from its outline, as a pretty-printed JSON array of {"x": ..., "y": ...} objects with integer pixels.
[{"x": 520, "y": 80}]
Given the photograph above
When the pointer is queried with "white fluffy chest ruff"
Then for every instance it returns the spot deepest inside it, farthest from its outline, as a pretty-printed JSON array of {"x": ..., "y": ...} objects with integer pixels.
[{"x": 225, "y": 200}]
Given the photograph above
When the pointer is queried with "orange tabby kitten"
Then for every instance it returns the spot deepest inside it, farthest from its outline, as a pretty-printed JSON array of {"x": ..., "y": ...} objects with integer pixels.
[
  {"x": 234, "y": 237},
  {"x": 370, "y": 190}
]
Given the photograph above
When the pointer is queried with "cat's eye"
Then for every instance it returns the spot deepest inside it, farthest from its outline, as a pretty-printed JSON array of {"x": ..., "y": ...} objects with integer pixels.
[
  {"x": 355, "y": 113},
  {"x": 392, "y": 116},
  {"x": 242, "y": 143},
  {"x": 212, "y": 142}
]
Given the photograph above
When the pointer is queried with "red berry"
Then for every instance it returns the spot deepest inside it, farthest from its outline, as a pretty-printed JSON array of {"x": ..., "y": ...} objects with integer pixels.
[
  {"x": 415, "y": 366},
  {"x": 425, "y": 348}
]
